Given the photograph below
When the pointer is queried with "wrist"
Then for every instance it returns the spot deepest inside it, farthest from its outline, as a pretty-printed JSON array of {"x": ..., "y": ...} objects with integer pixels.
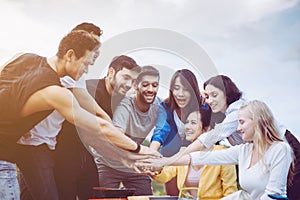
[{"x": 137, "y": 150}]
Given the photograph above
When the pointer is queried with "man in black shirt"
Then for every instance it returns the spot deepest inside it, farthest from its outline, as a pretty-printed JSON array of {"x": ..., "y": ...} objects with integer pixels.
[
  {"x": 77, "y": 178},
  {"x": 30, "y": 90},
  {"x": 109, "y": 90}
]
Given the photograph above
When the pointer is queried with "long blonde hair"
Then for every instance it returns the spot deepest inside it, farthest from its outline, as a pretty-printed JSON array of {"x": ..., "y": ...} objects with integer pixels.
[{"x": 266, "y": 131}]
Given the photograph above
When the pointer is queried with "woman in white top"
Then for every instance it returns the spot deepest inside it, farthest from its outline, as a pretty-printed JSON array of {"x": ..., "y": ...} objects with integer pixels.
[
  {"x": 263, "y": 160},
  {"x": 222, "y": 95}
]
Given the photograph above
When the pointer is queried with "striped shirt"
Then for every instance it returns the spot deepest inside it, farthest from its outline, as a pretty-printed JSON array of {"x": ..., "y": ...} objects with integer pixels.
[{"x": 226, "y": 129}]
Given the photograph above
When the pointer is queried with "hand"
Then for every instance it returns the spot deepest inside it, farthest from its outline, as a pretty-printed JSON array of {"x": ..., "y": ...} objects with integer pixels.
[
  {"x": 149, "y": 171},
  {"x": 149, "y": 151},
  {"x": 130, "y": 159},
  {"x": 152, "y": 164},
  {"x": 145, "y": 153}
]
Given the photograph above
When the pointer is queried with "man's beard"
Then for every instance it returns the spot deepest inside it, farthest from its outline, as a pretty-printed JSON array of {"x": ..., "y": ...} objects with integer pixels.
[{"x": 142, "y": 97}]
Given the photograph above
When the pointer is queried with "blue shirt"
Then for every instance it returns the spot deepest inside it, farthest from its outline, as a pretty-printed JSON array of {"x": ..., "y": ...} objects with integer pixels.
[{"x": 166, "y": 132}]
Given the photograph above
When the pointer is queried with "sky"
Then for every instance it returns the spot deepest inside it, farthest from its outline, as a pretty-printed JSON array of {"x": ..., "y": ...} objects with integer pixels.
[{"x": 255, "y": 42}]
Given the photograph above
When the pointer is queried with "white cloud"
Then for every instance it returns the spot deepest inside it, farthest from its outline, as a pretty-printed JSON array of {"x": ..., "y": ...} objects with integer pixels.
[
  {"x": 20, "y": 32},
  {"x": 244, "y": 38}
]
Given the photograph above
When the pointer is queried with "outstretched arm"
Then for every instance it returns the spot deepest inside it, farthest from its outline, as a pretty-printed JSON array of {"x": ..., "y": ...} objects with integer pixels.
[
  {"x": 87, "y": 102},
  {"x": 162, "y": 128},
  {"x": 97, "y": 130},
  {"x": 156, "y": 164}
]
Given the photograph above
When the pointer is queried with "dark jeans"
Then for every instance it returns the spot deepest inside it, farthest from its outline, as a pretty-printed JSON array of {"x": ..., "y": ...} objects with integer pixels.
[
  {"x": 75, "y": 169},
  {"x": 76, "y": 177},
  {"x": 36, "y": 164},
  {"x": 109, "y": 177}
]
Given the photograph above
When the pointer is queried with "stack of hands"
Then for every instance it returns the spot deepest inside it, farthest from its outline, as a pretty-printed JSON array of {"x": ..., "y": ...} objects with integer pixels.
[{"x": 147, "y": 161}]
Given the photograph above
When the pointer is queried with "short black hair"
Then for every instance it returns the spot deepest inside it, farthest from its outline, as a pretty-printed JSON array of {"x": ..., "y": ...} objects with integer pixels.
[
  {"x": 147, "y": 70},
  {"x": 122, "y": 61}
]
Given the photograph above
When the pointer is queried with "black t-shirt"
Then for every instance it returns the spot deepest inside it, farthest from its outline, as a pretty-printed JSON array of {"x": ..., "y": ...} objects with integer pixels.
[
  {"x": 20, "y": 79},
  {"x": 96, "y": 87},
  {"x": 69, "y": 142}
]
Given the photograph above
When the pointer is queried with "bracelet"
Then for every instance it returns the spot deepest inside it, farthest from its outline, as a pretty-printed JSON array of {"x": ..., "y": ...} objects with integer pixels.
[{"x": 138, "y": 148}]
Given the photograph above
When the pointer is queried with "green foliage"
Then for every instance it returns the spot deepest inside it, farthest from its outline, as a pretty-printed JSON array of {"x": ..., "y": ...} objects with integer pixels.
[{"x": 158, "y": 189}]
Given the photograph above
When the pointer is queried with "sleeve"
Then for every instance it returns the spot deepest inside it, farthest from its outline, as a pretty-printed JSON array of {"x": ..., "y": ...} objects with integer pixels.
[
  {"x": 229, "y": 179},
  {"x": 162, "y": 127},
  {"x": 121, "y": 116},
  {"x": 220, "y": 157},
  {"x": 166, "y": 174},
  {"x": 221, "y": 131},
  {"x": 279, "y": 166},
  {"x": 68, "y": 82}
]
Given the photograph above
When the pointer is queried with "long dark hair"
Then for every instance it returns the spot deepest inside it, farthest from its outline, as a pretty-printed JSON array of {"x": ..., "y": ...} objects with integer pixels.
[
  {"x": 205, "y": 112},
  {"x": 189, "y": 81},
  {"x": 227, "y": 86}
]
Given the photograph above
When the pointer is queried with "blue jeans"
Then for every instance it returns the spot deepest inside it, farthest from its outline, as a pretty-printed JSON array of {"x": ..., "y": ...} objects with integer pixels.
[
  {"x": 9, "y": 187},
  {"x": 109, "y": 177}
]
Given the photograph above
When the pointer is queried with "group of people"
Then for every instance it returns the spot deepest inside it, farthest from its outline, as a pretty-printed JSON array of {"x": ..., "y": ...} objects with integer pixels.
[{"x": 67, "y": 134}]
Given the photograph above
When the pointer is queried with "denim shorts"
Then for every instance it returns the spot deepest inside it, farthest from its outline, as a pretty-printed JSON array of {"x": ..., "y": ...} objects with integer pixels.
[{"x": 9, "y": 186}]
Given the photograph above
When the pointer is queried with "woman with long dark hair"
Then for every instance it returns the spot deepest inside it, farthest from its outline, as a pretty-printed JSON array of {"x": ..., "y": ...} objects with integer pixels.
[{"x": 168, "y": 136}]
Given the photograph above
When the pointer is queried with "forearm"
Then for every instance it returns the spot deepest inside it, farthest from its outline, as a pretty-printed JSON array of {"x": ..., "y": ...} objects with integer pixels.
[
  {"x": 195, "y": 146},
  {"x": 87, "y": 102},
  {"x": 182, "y": 157},
  {"x": 178, "y": 160},
  {"x": 107, "y": 132},
  {"x": 95, "y": 130},
  {"x": 101, "y": 113}
]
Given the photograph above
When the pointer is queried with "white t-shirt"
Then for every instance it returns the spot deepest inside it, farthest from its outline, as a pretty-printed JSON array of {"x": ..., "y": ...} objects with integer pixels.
[
  {"x": 47, "y": 130},
  {"x": 68, "y": 82},
  {"x": 179, "y": 124}
]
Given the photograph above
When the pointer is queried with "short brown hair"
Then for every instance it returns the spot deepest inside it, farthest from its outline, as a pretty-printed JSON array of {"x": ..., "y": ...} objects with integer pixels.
[
  {"x": 89, "y": 27},
  {"x": 80, "y": 41}
]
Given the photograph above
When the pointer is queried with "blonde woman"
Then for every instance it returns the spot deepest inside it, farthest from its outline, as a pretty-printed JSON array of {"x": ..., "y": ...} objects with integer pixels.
[
  {"x": 208, "y": 182},
  {"x": 263, "y": 160}
]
